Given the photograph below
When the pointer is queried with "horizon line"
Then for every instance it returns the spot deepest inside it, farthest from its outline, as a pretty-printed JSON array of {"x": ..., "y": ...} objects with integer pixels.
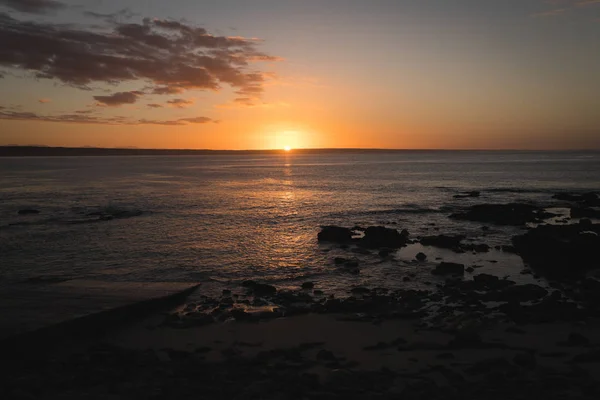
[{"x": 293, "y": 150}]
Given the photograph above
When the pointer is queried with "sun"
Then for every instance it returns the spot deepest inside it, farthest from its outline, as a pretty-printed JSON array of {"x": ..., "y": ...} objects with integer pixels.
[{"x": 287, "y": 148}]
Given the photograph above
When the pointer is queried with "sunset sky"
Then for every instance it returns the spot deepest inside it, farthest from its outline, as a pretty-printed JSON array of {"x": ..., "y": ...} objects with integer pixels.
[{"x": 261, "y": 74}]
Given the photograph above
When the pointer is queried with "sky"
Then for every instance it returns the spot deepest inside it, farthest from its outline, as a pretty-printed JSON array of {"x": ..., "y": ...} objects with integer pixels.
[{"x": 269, "y": 74}]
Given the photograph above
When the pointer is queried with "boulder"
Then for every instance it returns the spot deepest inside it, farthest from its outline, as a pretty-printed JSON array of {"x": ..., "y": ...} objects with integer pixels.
[
  {"x": 335, "y": 234},
  {"x": 448, "y": 268},
  {"x": 380, "y": 236},
  {"x": 442, "y": 241},
  {"x": 589, "y": 199},
  {"x": 560, "y": 251},
  {"x": 585, "y": 212},
  {"x": 260, "y": 289},
  {"x": 421, "y": 257},
  {"x": 515, "y": 214}
]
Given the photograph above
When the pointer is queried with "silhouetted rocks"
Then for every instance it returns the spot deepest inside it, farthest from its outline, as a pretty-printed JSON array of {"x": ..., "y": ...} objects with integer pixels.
[
  {"x": 589, "y": 199},
  {"x": 585, "y": 212},
  {"x": 467, "y": 195},
  {"x": 443, "y": 241},
  {"x": 515, "y": 214},
  {"x": 28, "y": 211},
  {"x": 380, "y": 236},
  {"x": 308, "y": 285},
  {"x": 448, "y": 268},
  {"x": 335, "y": 234},
  {"x": 560, "y": 250},
  {"x": 421, "y": 256}
]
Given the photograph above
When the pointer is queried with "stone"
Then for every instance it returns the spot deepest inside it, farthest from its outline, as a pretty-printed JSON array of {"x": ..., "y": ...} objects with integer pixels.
[
  {"x": 335, "y": 234},
  {"x": 515, "y": 214},
  {"x": 421, "y": 257},
  {"x": 560, "y": 251},
  {"x": 260, "y": 289},
  {"x": 470, "y": 270},
  {"x": 448, "y": 268},
  {"x": 585, "y": 212},
  {"x": 308, "y": 285},
  {"x": 380, "y": 236}
]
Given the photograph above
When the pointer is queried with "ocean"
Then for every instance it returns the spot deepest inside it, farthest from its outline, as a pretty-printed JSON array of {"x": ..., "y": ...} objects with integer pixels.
[{"x": 222, "y": 219}]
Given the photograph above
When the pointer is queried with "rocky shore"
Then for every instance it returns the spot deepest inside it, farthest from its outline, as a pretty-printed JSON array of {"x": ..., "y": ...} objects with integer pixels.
[{"x": 469, "y": 335}]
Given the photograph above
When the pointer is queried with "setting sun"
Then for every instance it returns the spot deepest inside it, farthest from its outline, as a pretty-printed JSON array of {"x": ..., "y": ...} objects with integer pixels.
[{"x": 287, "y": 148}]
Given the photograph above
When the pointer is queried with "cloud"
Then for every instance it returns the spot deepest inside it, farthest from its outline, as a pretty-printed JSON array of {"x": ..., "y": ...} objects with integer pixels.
[
  {"x": 551, "y": 13},
  {"x": 44, "y": 101},
  {"x": 180, "y": 103},
  {"x": 112, "y": 18},
  {"x": 167, "y": 90},
  {"x": 118, "y": 99},
  {"x": 83, "y": 117},
  {"x": 168, "y": 54},
  {"x": 33, "y": 6},
  {"x": 154, "y": 105}
]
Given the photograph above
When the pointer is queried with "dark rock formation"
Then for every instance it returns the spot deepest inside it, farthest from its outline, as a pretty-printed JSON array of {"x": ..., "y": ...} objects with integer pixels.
[
  {"x": 504, "y": 214},
  {"x": 560, "y": 250},
  {"x": 589, "y": 199},
  {"x": 448, "y": 268},
  {"x": 335, "y": 234},
  {"x": 380, "y": 236},
  {"x": 421, "y": 257},
  {"x": 585, "y": 212}
]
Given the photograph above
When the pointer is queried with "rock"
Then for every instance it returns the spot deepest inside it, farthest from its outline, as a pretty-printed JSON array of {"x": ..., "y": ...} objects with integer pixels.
[
  {"x": 467, "y": 194},
  {"x": 28, "y": 211},
  {"x": 585, "y": 222},
  {"x": 260, "y": 289},
  {"x": 421, "y": 257},
  {"x": 308, "y": 285},
  {"x": 405, "y": 233},
  {"x": 503, "y": 214},
  {"x": 585, "y": 212},
  {"x": 318, "y": 293},
  {"x": 380, "y": 236},
  {"x": 406, "y": 279},
  {"x": 335, "y": 234},
  {"x": 589, "y": 199},
  {"x": 383, "y": 253},
  {"x": 448, "y": 268},
  {"x": 470, "y": 270},
  {"x": 340, "y": 260},
  {"x": 560, "y": 251},
  {"x": 226, "y": 292},
  {"x": 442, "y": 241}
]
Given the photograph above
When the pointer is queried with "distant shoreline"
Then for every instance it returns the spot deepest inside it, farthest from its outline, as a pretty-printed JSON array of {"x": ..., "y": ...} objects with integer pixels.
[{"x": 43, "y": 151}]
